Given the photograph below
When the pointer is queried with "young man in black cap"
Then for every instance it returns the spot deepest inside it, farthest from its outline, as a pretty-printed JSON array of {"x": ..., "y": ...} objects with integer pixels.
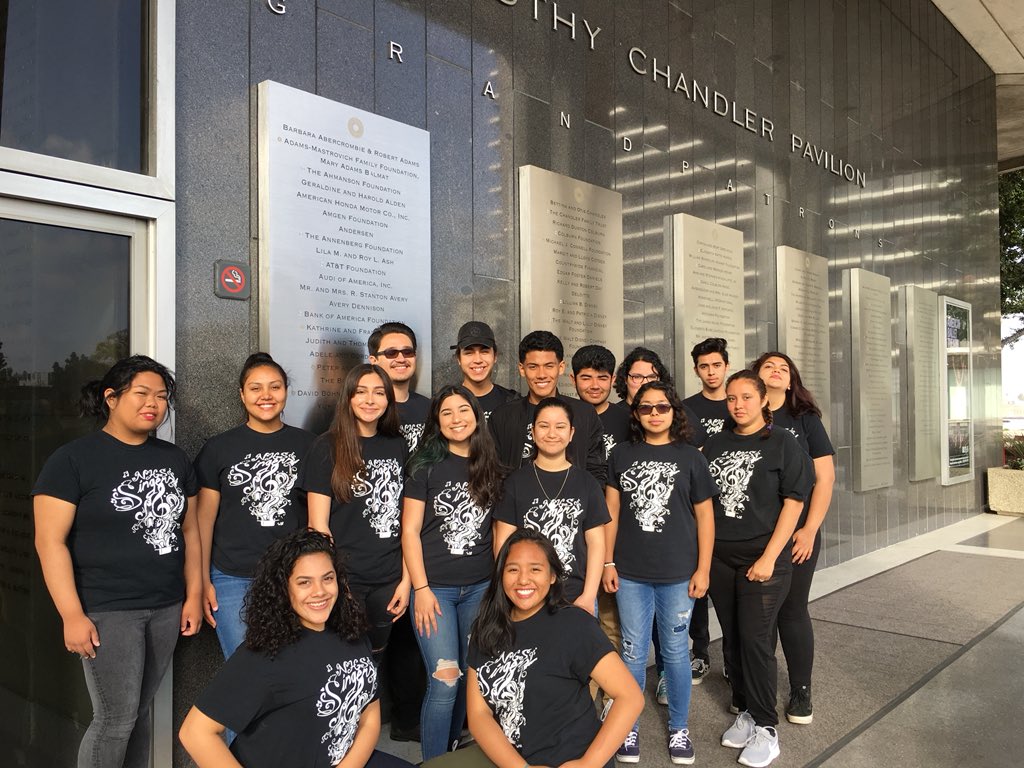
[
  {"x": 476, "y": 353},
  {"x": 541, "y": 362}
]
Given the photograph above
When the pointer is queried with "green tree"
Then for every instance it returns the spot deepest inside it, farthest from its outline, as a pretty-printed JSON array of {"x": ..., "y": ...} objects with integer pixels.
[{"x": 1011, "y": 246}]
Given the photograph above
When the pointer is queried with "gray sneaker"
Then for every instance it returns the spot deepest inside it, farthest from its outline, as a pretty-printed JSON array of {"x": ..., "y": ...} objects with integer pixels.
[
  {"x": 762, "y": 748},
  {"x": 740, "y": 732},
  {"x": 698, "y": 669}
]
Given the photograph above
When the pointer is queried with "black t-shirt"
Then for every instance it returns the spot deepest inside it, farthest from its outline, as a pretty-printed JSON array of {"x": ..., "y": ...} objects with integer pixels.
[
  {"x": 539, "y": 689},
  {"x": 368, "y": 528},
  {"x": 456, "y": 534},
  {"x": 615, "y": 423},
  {"x": 710, "y": 414},
  {"x": 658, "y": 486},
  {"x": 301, "y": 707},
  {"x": 255, "y": 474},
  {"x": 563, "y": 516},
  {"x": 755, "y": 476},
  {"x": 808, "y": 431},
  {"x": 497, "y": 396},
  {"x": 127, "y": 550},
  {"x": 412, "y": 417}
]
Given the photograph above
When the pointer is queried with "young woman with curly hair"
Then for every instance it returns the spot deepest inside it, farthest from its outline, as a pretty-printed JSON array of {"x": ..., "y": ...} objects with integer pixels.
[
  {"x": 659, "y": 496},
  {"x": 353, "y": 476},
  {"x": 447, "y": 542},
  {"x": 793, "y": 408},
  {"x": 532, "y": 657},
  {"x": 116, "y": 533},
  {"x": 303, "y": 688},
  {"x": 763, "y": 476}
]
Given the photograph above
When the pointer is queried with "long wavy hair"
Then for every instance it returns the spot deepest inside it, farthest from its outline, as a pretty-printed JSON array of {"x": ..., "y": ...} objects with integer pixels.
[
  {"x": 485, "y": 474},
  {"x": 748, "y": 375},
  {"x": 271, "y": 624},
  {"x": 679, "y": 432},
  {"x": 799, "y": 399},
  {"x": 493, "y": 630},
  {"x": 348, "y": 451},
  {"x": 639, "y": 354}
]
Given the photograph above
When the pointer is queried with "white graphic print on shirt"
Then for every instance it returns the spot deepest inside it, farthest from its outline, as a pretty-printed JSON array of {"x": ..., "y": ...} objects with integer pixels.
[
  {"x": 793, "y": 432},
  {"x": 558, "y": 519},
  {"x": 267, "y": 480},
  {"x": 528, "y": 445},
  {"x": 462, "y": 519},
  {"x": 733, "y": 471},
  {"x": 503, "y": 685},
  {"x": 157, "y": 500},
  {"x": 609, "y": 443},
  {"x": 650, "y": 483},
  {"x": 412, "y": 434},
  {"x": 712, "y": 426},
  {"x": 381, "y": 480},
  {"x": 343, "y": 698}
]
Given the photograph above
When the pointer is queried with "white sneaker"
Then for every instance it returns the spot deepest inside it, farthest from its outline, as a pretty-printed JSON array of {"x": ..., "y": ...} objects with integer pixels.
[
  {"x": 740, "y": 732},
  {"x": 762, "y": 748}
]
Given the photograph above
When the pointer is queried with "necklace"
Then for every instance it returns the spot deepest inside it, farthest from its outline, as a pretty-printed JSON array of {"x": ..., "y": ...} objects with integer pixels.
[{"x": 560, "y": 488}]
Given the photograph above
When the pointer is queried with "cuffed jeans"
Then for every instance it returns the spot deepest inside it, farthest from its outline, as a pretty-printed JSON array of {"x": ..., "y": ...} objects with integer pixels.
[
  {"x": 444, "y": 706},
  {"x": 639, "y": 602},
  {"x": 135, "y": 650}
]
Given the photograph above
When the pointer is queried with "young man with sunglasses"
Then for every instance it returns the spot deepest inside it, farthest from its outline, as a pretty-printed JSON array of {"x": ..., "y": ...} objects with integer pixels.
[
  {"x": 392, "y": 346},
  {"x": 541, "y": 362}
]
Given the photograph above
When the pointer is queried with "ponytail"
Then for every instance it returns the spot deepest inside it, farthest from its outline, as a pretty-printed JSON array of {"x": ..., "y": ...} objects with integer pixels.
[{"x": 769, "y": 422}]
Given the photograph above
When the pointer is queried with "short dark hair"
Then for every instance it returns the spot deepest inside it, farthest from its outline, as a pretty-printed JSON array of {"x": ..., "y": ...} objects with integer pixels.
[
  {"x": 119, "y": 378},
  {"x": 541, "y": 341},
  {"x": 593, "y": 356},
  {"x": 554, "y": 402},
  {"x": 708, "y": 347},
  {"x": 392, "y": 326},
  {"x": 639, "y": 354},
  {"x": 260, "y": 360}
]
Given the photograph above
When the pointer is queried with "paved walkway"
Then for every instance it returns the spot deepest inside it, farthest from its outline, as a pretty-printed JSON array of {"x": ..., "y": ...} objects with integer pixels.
[{"x": 919, "y": 662}]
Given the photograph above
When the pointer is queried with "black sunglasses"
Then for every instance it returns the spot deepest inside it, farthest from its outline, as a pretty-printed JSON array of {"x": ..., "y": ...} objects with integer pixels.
[{"x": 391, "y": 352}]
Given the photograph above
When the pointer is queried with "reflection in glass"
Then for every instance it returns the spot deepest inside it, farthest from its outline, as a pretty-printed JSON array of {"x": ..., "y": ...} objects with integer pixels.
[
  {"x": 74, "y": 80},
  {"x": 63, "y": 321}
]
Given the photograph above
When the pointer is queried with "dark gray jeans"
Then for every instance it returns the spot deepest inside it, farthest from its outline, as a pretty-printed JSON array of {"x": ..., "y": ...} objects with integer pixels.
[{"x": 135, "y": 650}]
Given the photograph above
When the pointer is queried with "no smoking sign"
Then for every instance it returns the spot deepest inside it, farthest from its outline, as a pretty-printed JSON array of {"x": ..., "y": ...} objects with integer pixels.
[{"x": 231, "y": 279}]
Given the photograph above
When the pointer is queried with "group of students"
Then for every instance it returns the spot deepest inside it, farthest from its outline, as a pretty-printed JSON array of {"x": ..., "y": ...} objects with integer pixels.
[{"x": 484, "y": 514}]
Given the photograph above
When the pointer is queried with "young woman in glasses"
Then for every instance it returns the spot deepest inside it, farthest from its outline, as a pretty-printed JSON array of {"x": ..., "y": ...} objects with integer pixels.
[
  {"x": 662, "y": 530},
  {"x": 793, "y": 408},
  {"x": 763, "y": 476},
  {"x": 353, "y": 476}
]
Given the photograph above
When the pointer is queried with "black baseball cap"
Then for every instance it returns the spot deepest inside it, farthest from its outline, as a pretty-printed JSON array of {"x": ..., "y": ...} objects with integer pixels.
[{"x": 475, "y": 333}]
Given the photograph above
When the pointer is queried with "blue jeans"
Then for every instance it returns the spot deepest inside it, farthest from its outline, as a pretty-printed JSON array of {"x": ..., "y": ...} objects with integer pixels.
[
  {"x": 639, "y": 602},
  {"x": 136, "y": 646},
  {"x": 444, "y": 706},
  {"x": 230, "y": 594}
]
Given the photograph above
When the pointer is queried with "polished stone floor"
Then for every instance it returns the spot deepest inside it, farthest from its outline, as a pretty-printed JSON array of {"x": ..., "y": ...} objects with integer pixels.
[{"x": 919, "y": 661}]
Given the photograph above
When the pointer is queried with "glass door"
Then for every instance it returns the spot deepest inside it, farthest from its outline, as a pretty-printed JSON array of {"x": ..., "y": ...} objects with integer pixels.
[{"x": 70, "y": 305}]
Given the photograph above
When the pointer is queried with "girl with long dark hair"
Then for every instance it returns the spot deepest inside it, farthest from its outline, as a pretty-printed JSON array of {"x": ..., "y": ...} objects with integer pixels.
[
  {"x": 447, "y": 543},
  {"x": 659, "y": 495},
  {"x": 353, "y": 476},
  {"x": 532, "y": 657},
  {"x": 794, "y": 409},
  {"x": 118, "y": 542},
  {"x": 763, "y": 476},
  {"x": 248, "y": 496},
  {"x": 561, "y": 501},
  {"x": 303, "y": 688}
]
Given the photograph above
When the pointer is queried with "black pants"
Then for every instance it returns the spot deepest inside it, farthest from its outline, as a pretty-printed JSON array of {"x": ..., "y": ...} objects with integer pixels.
[
  {"x": 747, "y": 611},
  {"x": 794, "y": 622},
  {"x": 375, "y": 599},
  {"x": 700, "y": 632}
]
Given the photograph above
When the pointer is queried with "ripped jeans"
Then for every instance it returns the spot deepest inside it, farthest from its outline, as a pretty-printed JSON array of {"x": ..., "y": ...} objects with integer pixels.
[
  {"x": 444, "y": 706},
  {"x": 639, "y": 602}
]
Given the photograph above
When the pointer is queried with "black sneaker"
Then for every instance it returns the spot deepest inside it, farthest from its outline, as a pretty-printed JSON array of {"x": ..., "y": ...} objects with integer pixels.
[
  {"x": 698, "y": 669},
  {"x": 799, "y": 708}
]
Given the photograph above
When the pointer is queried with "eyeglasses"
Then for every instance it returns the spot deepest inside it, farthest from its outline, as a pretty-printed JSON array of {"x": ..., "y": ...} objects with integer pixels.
[
  {"x": 391, "y": 352},
  {"x": 656, "y": 408},
  {"x": 640, "y": 378}
]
